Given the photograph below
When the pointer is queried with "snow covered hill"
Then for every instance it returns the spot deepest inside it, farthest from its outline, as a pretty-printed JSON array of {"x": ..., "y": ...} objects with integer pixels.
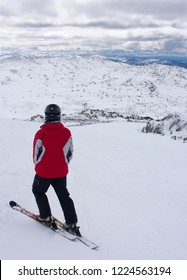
[
  {"x": 78, "y": 83},
  {"x": 129, "y": 187}
]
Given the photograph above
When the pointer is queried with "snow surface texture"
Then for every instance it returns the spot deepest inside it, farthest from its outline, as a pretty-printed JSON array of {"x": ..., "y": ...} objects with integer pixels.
[{"x": 129, "y": 187}]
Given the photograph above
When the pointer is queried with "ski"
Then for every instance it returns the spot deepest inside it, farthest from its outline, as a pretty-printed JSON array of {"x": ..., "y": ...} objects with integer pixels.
[
  {"x": 82, "y": 239},
  {"x": 31, "y": 215},
  {"x": 57, "y": 226}
]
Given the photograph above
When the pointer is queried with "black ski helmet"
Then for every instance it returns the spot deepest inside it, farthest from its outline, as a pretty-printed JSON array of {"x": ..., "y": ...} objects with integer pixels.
[{"x": 52, "y": 113}]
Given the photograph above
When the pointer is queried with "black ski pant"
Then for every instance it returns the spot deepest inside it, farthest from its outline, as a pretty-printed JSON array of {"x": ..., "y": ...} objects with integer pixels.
[{"x": 40, "y": 187}]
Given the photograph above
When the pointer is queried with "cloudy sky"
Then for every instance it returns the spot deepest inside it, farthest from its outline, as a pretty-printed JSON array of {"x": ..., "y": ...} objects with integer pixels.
[{"x": 146, "y": 26}]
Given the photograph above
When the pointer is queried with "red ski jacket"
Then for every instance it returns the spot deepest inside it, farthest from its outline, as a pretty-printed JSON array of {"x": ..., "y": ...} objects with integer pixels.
[{"x": 52, "y": 150}]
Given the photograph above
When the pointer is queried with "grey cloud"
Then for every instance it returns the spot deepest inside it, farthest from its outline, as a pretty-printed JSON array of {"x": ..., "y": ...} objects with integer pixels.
[
  {"x": 103, "y": 24},
  {"x": 170, "y": 9},
  {"x": 161, "y": 9},
  {"x": 174, "y": 45},
  {"x": 27, "y": 7},
  {"x": 34, "y": 25},
  {"x": 46, "y": 7},
  {"x": 113, "y": 24}
]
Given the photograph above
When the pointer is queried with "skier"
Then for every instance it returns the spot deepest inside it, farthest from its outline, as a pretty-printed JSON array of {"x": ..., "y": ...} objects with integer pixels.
[{"x": 52, "y": 151}]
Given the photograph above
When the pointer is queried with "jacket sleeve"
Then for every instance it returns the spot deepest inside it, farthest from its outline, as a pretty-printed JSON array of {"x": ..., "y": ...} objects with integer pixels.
[
  {"x": 68, "y": 149},
  {"x": 33, "y": 148},
  {"x": 38, "y": 149}
]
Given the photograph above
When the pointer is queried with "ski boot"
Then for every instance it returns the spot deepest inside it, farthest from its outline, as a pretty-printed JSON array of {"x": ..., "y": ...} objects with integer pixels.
[
  {"x": 73, "y": 229},
  {"x": 49, "y": 221}
]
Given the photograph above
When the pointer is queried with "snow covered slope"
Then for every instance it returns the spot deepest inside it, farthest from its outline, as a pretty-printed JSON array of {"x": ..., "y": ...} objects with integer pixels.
[{"x": 129, "y": 189}]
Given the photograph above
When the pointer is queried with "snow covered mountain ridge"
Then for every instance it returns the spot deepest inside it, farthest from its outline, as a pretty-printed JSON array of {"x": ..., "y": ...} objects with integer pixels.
[
  {"x": 90, "y": 88},
  {"x": 115, "y": 55}
]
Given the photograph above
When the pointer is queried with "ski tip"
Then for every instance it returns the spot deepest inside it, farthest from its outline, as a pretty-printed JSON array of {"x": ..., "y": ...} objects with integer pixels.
[
  {"x": 12, "y": 203},
  {"x": 95, "y": 247}
]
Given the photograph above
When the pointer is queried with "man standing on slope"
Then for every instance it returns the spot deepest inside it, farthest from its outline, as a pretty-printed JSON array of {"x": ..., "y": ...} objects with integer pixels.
[{"x": 52, "y": 151}]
